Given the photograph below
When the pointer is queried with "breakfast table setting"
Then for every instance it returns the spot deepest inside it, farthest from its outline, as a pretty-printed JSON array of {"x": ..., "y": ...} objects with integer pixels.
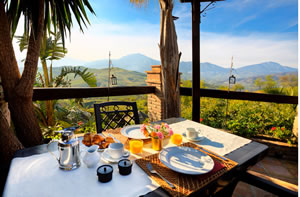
[{"x": 172, "y": 157}]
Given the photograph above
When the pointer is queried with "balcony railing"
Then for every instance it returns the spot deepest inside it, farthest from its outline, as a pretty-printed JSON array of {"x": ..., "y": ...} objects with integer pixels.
[{"x": 68, "y": 93}]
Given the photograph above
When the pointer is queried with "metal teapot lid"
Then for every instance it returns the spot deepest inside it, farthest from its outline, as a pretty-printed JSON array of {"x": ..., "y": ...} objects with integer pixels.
[
  {"x": 66, "y": 136},
  {"x": 67, "y": 133}
]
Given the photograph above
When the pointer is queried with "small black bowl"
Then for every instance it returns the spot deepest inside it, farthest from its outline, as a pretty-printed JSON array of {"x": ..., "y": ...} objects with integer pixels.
[
  {"x": 104, "y": 173},
  {"x": 125, "y": 166}
]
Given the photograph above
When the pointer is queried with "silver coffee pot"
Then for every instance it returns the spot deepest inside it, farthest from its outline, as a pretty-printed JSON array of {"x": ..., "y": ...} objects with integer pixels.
[{"x": 68, "y": 149}]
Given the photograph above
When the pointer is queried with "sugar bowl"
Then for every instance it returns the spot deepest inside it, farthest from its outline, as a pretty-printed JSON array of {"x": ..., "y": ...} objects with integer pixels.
[{"x": 104, "y": 173}]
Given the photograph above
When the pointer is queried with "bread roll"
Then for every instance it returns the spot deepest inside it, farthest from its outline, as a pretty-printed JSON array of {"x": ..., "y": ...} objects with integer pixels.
[
  {"x": 109, "y": 140},
  {"x": 97, "y": 139},
  {"x": 87, "y": 139}
]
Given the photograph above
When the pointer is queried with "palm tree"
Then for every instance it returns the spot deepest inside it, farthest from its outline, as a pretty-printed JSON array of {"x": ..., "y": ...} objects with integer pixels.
[
  {"x": 52, "y": 49},
  {"x": 39, "y": 17},
  {"x": 170, "y": 58}
]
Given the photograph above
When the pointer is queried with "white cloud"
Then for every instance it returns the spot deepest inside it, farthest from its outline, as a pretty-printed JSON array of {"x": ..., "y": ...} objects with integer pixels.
[
  {"x": 251, "y": 49},
  {"x": 120, "y": 39},
  {"x": 139, "y": 37}
]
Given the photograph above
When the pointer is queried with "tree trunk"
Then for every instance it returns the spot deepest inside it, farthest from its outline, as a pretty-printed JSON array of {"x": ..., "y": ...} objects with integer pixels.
[
  {"x": 18, "y": 90},
  {"x": 49, "y": 104},
  {"x": 9, "y": 143},
  {"x": 170, "y": 61},
  {"x": 50, "y": 113}
]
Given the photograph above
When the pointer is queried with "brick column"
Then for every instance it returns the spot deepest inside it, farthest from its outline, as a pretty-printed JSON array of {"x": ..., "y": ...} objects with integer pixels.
[{"x": 155, "y": 101}]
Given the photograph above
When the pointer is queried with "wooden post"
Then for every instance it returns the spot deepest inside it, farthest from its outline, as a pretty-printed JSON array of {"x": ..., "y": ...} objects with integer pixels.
[{"x": 196, "y": 60}]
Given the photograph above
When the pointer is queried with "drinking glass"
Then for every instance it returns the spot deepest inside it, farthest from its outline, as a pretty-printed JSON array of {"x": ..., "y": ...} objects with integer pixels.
[
  {"x": 136, "y": 146},
  {"x": 176, "y": 139}
]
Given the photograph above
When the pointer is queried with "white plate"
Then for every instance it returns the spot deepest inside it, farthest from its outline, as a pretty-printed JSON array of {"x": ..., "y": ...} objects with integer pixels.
[
  {"x": 186, "y": 160},
  {"x": 106, "y": 157},
  {"x": 134, "y": 132}
]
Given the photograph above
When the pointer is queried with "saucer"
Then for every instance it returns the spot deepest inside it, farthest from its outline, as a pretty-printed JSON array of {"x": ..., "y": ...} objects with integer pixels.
[
  {"x": 106, "y": 157},
  {"x": 197, "y": 139}
]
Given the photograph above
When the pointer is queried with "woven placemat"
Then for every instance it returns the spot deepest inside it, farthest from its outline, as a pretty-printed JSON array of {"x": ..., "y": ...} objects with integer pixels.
[{"x": 185, "y": 184}]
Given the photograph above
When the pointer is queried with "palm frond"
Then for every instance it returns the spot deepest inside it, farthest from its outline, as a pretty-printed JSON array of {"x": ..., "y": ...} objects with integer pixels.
[
  {"x": 22, "y": 41},
  {"x": 87, "y": 77},
  {"x": 58, "y": 14}
]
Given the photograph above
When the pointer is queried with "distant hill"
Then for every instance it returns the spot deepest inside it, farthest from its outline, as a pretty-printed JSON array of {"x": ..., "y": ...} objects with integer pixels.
[
  {"x": 125, "y": 77},
  {"x": 248, "y": 82},
  {"x": 133, "y": 78},
  {"x": 216, "y": 74},
  {"x": 135, "y": 62},
  {"x": 211, "y": 73}
]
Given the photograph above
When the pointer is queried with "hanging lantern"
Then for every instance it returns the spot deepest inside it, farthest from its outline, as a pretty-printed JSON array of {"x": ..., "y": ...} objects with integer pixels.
[
  {"x": 232, "y": 79},
  {"x": 114, "y": 80}
]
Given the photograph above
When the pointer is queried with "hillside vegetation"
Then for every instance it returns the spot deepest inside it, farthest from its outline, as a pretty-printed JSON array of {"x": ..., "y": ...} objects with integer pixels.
[{"x": 125, "y": 77}]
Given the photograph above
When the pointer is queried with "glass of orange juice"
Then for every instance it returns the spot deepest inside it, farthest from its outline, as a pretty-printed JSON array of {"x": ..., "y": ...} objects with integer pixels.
[
  {"x": 136, "y": 146},
  {"x": 176, "y": 139}
]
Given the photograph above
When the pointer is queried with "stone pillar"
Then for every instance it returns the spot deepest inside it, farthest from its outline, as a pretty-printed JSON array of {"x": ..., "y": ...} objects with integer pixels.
[
  {"x": 4, "y": 105},
  {"x": 155, "y": 101}
]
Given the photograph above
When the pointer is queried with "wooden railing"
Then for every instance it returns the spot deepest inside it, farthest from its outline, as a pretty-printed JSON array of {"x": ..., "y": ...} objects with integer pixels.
[
  {"x": 67, "y": 93},
  {"x": 250, "y": 96}
]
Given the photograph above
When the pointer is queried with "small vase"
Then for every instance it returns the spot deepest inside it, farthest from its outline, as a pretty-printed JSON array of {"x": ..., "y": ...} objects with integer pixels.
[{"x": 157, "y": 144}]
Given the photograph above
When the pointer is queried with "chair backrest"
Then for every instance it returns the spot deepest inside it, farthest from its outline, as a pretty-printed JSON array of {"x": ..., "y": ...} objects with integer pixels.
[{"x": 111, "y": 115}]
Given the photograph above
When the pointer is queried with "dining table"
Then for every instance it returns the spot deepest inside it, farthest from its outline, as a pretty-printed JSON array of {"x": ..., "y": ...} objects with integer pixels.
[{"x": 34, "y": 172}]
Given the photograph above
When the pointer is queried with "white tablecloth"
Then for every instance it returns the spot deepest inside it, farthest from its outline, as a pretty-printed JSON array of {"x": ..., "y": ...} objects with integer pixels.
[{"x": 39, "y": 175}]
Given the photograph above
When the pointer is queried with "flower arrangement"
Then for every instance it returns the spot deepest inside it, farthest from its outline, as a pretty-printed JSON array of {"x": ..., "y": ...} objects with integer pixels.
[{"x": 156, "y": 131}]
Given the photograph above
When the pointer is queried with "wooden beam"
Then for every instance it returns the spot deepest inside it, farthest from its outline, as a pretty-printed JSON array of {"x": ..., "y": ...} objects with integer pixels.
[
  {"x": 196, "y": 60},
  {"x": 67, "y": 93},
  {"x": 250, "y": 96}
]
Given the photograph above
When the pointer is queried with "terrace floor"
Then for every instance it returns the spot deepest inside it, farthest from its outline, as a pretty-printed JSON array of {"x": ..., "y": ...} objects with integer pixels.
[{"x": 286, "y": 173}]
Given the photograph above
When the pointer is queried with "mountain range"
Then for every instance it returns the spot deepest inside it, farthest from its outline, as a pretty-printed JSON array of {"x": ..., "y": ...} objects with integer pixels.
[{"x": 211, "y": 73}]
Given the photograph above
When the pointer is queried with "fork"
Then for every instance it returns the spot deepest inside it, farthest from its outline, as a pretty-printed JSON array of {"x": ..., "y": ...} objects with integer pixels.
[{"x": 150, "y": 168}]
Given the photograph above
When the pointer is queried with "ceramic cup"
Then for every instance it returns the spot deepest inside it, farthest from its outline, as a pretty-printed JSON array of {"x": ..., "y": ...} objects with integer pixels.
[
  {"x": 116, "y": 150},
  {"x": 192, "y": 133}
]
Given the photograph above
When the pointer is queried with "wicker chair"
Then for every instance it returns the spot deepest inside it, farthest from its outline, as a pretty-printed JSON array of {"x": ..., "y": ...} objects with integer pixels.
[{"x": 111, "y": 115}]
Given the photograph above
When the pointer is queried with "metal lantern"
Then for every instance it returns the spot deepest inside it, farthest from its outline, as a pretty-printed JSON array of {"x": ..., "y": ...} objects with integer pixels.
[
  {"x": 232, "y": 79},
  {"x": 114, "y": 80}
]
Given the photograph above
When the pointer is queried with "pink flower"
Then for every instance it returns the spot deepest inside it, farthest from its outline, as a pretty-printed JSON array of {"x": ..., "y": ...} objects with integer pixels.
[
  {"x": 143, "y": 128},
  {"x": 157, "y": 127},
  {"x": 171, "y": 132},
  {"x": 160, "y": 135},
  {"x": 166, "y": 125}
]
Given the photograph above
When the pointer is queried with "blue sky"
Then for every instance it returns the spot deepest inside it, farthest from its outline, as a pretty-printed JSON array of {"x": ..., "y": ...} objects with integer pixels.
[{"x": 252, "y": 31}]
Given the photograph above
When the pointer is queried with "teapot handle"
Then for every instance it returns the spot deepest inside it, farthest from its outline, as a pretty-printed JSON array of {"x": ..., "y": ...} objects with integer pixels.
[{"x": 51, "y": 151}]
